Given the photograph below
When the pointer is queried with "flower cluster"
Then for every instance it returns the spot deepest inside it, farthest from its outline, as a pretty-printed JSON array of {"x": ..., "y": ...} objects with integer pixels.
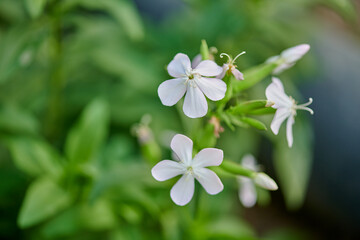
[{"x": 202, "y": 78}]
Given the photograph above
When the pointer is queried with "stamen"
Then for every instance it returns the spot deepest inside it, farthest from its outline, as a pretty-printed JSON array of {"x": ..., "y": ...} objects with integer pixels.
[
  {"x": 306, "y": 109},
  {"x": 243, "y": 52},
  {"x": 225, "y": 54},
  {"x": 307, "y": 104}
]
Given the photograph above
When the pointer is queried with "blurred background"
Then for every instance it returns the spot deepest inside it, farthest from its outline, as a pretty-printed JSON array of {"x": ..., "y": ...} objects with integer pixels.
[{"x": 77, "y": 78}]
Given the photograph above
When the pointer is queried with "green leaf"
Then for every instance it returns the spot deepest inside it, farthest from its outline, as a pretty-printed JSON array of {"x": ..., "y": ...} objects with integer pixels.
[
  {"x": 18, "y": 121},
  {"x": 35, "y": 7},
  {"x": 247, "y": 107},
  {"x": 126, "y": 14},
  {"x": 35, "y": 157},
  {"x": 86, "y": 138},
  {"x": 43, "y": 199},
  {"x": 293, "y": 165},
  {"x": 253, "y": 76}
]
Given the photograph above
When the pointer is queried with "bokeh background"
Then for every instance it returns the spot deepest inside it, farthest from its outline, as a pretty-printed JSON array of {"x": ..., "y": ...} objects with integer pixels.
[{"x": 76, "y": 76}]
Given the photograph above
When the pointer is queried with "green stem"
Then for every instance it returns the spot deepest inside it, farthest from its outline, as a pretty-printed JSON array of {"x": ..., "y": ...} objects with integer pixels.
[
  {"x": 196, "y": 200},
  {"x": 237, "y": 169}
]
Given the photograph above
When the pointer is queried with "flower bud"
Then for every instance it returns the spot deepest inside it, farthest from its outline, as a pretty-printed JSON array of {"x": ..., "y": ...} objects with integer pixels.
[{"x": 263, "y": 180}]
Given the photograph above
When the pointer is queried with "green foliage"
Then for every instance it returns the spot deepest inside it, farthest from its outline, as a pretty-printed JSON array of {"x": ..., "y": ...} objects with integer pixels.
[
  {"x": 44, "y": 198},
  {"x": 75, "y": 75},
  {"x": 86, "y": 138},
  {"x": 35, "y": 7},
  {"x": 35, "y": 157}
]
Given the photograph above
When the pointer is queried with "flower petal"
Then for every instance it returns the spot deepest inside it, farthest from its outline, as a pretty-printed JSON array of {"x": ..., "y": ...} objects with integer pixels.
[
  {"x": 225, "y": 67},
  {"x": 293, "y": 54},
  {"x": 208, "y": 68},
  {"x": 180, "y": 66},
  {"x": 182, "y": 146},
  {"x": 208, "y": 157},
  {"x": 171, "y": 91},
  {"x": 213, "y": 88},
  {"x": 196, "y": 60},
  {"x": 289, "y": 132},
  {"x": 247, "y": 192},
  {"x": 237, "y": 74},
  {"x": 275, "y": 93},
  {"x": 183, "y": 190},
  {"x": 167, "y": 169},
  {"x": 249, "y": 161},
  {"x": 209, "y": 180},
  {"x": 280, "y": 115},
  {"x": 195, "y": 104}
]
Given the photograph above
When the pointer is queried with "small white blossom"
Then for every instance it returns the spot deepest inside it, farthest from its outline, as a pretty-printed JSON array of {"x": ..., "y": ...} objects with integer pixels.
[
  {"x": 285, "y": 107},
  {"x": 230, "y": 67},
  {"x": 190, "y": 169},
  {"x": 247, "y": 189},
  {"x": 289, "y": 57},
  {"x": 194, "y": 82}
]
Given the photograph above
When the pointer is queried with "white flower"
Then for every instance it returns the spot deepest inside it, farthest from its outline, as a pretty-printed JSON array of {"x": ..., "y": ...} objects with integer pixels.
[
  {"x": 194, "y": 83},
  {"x": 190, "y": 168},
  {"x": 247, "y": 189},
  {"x": 231, "y": 67},
  {"x": 289, "y": 57},
  {"x": 286, "y": 108}
]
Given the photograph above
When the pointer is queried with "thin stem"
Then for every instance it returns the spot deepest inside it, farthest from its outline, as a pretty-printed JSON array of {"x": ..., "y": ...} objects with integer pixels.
[{"x": 196, "y": 200}]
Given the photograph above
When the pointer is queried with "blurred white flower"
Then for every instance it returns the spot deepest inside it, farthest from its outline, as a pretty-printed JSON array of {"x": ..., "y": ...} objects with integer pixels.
[
  {"x": 288, "y": 57},
  {"x": 231, "y": 67},
  {"x": 286, "y": 108},
  {"x": 192, "y": 82},
  {"x": 190, "y": 168},
  {"x": 247, "y": 189}
]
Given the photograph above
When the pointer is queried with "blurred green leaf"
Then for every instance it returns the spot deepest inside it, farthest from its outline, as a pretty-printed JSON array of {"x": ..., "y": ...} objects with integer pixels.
[
  {"x": 16, "y": 120},
  {"x": 43, "y": 199},
  {"x": 293, "y": 165},
  {"x": 35, "y": 157},
  {"x": 86, "y": 138},
  {"x": 35, "y": 7},
  {"x": 126, "y": 14}
]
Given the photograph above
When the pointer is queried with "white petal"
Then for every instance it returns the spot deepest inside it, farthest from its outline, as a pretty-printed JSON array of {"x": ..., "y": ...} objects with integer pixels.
[
  {"x": 209, "y": 180},
  {"x": 195, "y": 104},
  {"x": 195, "y": 62},
  {"x": 247, "y": 192},
  {"x": 264, "y": 181},
  {"x": 208, "y": 157},
  {"x": 272, "y": 59},
  {"x": 249, "y": 161},
  {"x": 182, "y": 146},
  {"x": 237, "y": 74},
  {"x": 282, "y": 67},
  {"x": 275, "y": 93},
  {"x": 289, "y": 132},
  {"x": 208, "y": 68},
  {"x": 293, "y": 54},
  {"x": 180, "y": 66},
  {"x": 280, "y": 115},
  {"x": 213, "y": 88},
  {"x": 167, "y": 169},
  {"x": 183, "y": 190},
  {"x": 225, "y": 67},
  {"x": 171, "y": 91}
]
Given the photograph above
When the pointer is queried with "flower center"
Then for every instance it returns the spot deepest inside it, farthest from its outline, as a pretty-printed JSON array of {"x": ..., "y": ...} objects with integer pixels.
[{"x": 190, "y": 170}]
